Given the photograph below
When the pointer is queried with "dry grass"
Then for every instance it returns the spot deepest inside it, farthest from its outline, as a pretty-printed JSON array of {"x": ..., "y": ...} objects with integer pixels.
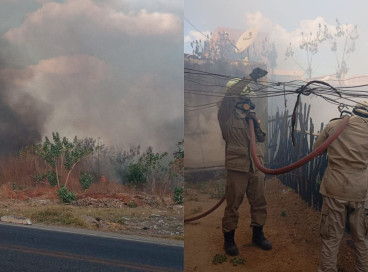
[
  {"x": 22, "y": 195},
  {"x": 19, "y": 172},
  {"x": 140, "y": 220},
  {"x": 60, "y": 214}
]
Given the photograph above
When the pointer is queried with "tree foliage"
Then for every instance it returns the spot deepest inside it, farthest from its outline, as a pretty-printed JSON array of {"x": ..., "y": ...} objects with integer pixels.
[
  {"x": 179, "y": 152},
  {"x": 134, "y": 175},
  {"x": 153, "y": 167},
  {"x": 342, "y": 43},
  {"x": 269, "y": 52},
  {"x": 121, "y": 160},
  {"x": 222, "y": 48},
  {"x": 309, "y": 44},
  {"x": 65, "y": 195},
  {"x": 177, "y": 170},
  {"x": 177, "y": 165},
  {"x": 62, "y": 155},
  {"x": 178, "y": 195},
  {"x": 86, "y": 180}
]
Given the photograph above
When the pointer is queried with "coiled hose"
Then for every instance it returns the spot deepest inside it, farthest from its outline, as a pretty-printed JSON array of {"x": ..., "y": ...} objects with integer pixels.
[{"x": 282, "y": 170}]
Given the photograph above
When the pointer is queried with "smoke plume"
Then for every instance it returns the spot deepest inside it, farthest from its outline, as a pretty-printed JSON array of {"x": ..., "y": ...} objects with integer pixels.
[{"x": 21, "y": 117}]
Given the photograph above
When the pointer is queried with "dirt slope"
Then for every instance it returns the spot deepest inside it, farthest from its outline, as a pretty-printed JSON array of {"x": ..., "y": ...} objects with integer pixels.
[
  {"x": 104, "y": 206},
  {"x": 292, "y": 227}
]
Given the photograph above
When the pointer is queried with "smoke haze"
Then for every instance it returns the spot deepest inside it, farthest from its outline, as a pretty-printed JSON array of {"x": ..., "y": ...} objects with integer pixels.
[
  {"x": 91, "y": 69},
  {"x": 284, "y": 23}
]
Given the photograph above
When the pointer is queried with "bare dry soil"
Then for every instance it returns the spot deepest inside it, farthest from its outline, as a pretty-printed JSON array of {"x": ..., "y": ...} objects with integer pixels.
[
  {"x": 292, "y": 227},
  {"x": 103, "y": 207}
]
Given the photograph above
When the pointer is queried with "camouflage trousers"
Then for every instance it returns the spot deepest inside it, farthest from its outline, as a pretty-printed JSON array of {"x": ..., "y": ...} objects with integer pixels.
[
  {"x": 239, "y": 184},
  {"x": 334, "y": 214}
]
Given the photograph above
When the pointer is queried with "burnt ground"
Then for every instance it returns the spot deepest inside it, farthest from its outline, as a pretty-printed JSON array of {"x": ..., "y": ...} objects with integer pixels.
[{"x": 292, "y": 227}]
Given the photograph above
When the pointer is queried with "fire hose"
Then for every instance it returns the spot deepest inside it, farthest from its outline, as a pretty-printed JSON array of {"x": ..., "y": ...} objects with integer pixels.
[{"x": 282, "y": 170}]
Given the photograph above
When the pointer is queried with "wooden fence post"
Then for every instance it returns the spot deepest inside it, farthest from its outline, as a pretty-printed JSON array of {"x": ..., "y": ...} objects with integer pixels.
[{"x": 306, "y": 179}]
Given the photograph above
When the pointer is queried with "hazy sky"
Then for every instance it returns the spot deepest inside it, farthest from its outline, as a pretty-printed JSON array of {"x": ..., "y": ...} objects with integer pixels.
[
  {"x": 283, "y": 22},
  {"x": 93, "y": 68}
]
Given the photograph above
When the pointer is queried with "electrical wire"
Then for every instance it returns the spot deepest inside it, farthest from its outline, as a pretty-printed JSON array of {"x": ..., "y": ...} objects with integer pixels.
[
  {"x": 195, "y": 27},
  {"x": 215, "y": 84}
]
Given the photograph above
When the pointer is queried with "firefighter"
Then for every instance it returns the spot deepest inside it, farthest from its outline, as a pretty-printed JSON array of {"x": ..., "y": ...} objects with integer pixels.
[
  {"x": 242, "y": 175},
  {"x": 345, "y": 189}
]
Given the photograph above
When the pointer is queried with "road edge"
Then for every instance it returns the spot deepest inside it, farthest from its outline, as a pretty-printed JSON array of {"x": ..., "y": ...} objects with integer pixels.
[{"x": 96, "y": 233}]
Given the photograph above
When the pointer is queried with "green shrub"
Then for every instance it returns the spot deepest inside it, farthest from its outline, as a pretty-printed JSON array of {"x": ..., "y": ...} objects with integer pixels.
[
  {"x": 39, "y": 177},
  {"x": 132, "y": 204},
  {"x": 86, "y": 180},
  {"x": 178, "y": 195},
  {"x": 219, "y": 258},
  {"x": 51, "y": 177},
  {"x": 237, "y": 260},
  {"x": 135, "y": 175},
  {"x": 65, "y": 195}
]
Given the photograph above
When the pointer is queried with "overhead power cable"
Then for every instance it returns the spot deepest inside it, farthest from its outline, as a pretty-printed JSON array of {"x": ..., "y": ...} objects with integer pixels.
[
  {"x": 195, "y": 27},
  {"x": 213, "y": 85}
]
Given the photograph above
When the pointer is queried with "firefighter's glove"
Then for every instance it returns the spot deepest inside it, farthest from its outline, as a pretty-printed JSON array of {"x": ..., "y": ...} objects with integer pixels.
[{"x": 260, "y": 135}]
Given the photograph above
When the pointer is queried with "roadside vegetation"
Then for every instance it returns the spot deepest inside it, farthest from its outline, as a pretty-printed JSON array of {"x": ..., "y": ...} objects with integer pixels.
[
  {"x": 73, "y": 166},
  {"x": 98, "y": 187}
]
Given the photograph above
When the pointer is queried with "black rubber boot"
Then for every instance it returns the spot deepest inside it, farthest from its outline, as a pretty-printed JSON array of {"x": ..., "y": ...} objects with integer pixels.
[
  {"x": 229, "y": 244},
  {"x": 259, "y": 239}
]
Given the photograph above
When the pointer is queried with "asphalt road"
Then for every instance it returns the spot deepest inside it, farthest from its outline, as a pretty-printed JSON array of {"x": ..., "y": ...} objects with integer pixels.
[{"x": 40, "y": 248}]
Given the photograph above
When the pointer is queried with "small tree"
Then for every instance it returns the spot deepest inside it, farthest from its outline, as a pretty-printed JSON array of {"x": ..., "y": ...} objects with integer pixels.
[
  {"x": 152, "y": 166},
  {"x": 61, "y": 155},
  {"x": 197, "y": 48},
  {"x": 97, "y": 160},
  {"x": 342, "y": 42},
  {"x": 221, "y": 48},
  {"x": 177, "y": 169},
  {"x": 177, "y": 166},
  {"x": 309, "y": 43},
  {"x": 135, "y": 175},
  {"x": 269, "y": 52},
  {"x": 122, "y": 159}
]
